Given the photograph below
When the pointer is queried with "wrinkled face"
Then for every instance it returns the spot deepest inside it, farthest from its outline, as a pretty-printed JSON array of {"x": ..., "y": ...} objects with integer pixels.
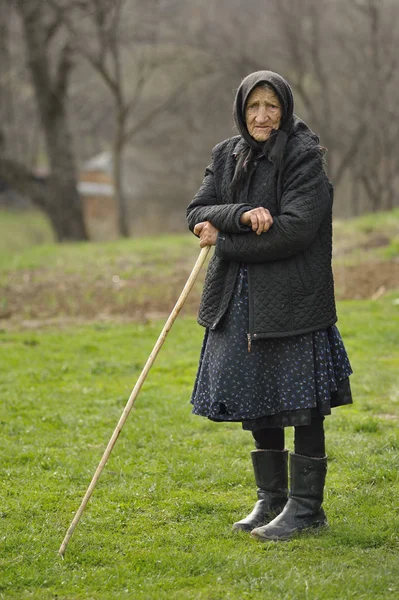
[{"x": 262, "y": 113}]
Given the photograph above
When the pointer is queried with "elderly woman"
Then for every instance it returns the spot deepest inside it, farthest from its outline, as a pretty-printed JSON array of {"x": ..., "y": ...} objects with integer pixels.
[{"x": 272, "y": 356}]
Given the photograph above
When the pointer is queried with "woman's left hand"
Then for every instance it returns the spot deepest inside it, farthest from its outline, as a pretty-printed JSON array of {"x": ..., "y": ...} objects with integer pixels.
[
  {"x": 259, "y": 219},
  {"x": 208, "y": 234}
]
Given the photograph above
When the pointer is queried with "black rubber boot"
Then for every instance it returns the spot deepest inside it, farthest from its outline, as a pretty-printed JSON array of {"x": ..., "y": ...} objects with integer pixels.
[
  {"x": 303, "y": 509},
  {"x": 271, "y": 476}
]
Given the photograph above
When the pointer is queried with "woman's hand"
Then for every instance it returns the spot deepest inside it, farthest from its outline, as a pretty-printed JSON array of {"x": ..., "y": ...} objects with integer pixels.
[
  {"x": 208, "y": 234},
  {"x": 259, "y": 219}
]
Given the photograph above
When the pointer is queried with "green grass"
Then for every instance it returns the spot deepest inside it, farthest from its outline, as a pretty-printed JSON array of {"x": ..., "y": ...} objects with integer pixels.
[
  {"x": 21, "y": 229},
  {"x": 386, "y": 221},
  {"x": 159, "y": 522},
  {"x": 121, "y": 255},
  {"x": 373, "y": 236},
  {"x": 139, "y": 277},
  {"x": 28, "y": 230},
  {"x": 131, "y": 277}
]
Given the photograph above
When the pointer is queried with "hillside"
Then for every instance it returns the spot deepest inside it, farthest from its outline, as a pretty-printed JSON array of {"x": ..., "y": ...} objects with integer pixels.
[{"x": 141, "y": 278}]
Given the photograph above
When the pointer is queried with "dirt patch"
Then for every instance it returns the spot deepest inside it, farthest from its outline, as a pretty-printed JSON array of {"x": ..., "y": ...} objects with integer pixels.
[
  {"x": 366, "y": 280},
  {"x": 32, "y": 299},
  {"x": 346, "y": 245}
]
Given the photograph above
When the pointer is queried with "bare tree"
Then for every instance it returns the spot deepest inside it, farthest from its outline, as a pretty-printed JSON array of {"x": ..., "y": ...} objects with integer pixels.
[
  {"x": 314, "y": 71},
  {"x": 379, "y": 160},
  {"x": 342, "y": 61},
  {"x": 19, "y": 123},
  {"x": 100, "y": 35},
  {"x": 60, "y": 199},
  {"x": 141, "y": 89}
]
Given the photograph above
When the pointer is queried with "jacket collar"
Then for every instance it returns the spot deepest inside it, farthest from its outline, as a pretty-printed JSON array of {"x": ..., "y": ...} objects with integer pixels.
[{"x": 239, "y": 147}]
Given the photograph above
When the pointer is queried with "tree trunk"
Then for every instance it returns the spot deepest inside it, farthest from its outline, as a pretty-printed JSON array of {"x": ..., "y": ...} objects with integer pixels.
[
  {"x": 64, "y": 207},
  {"x": 117, "y": 157},
  {"x": 355, "y": 195}
]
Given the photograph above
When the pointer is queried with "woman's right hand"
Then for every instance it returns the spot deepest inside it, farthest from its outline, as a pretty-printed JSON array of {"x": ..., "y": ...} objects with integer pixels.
[
  {"x": 259, "y": 219},
  {"x": 207, "y": 233}
]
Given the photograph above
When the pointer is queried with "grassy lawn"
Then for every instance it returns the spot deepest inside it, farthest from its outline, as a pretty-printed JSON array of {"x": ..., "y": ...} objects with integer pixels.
[
  {"x": 159, "y": 523},
  {"x": 371, "y": 236},
  {"x": 22, "y": 229},
  {"x": 136, "y": 277},
  {"x": 140, "y": 277}
]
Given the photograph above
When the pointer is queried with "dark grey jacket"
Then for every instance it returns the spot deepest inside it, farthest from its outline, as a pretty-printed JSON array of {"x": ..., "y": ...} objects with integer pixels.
[{"x": 291, "y": 288}]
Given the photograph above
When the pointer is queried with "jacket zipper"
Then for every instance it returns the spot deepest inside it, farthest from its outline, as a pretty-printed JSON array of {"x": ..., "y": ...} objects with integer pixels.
[
  {"x": 249, "y": 342},
  {"x": 250, "y": 311},
  {"x": 250, "y": 335}
]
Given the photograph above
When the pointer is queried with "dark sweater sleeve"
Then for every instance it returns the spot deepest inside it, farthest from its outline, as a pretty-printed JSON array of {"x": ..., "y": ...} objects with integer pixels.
[
  {"x": 206, "y": 207},
  {"x": 305, "y": 201}
]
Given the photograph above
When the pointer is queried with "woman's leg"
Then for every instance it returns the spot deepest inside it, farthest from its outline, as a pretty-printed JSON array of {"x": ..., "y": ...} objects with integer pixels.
[
  {"x": 270, "y": 463},
  {"x": 308, "y": 472},
  {"x": 310, "y": 440},
  {"x": 271, "y": 438}
]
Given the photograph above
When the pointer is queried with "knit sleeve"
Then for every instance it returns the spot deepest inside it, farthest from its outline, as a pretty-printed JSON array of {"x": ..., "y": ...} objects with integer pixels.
[
  {"x": 306, "y": 199},
  {"x": 206, "y": 206}
]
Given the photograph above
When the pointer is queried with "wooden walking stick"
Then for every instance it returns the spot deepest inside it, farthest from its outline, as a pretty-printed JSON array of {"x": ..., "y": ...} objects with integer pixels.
[{"x": 172, "y": 317}]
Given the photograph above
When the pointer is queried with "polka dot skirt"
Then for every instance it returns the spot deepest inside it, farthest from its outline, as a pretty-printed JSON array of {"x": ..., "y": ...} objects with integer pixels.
[{"x": 281, "y": 382}]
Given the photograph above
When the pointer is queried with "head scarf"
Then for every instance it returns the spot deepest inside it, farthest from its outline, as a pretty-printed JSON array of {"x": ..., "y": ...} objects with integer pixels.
[{"x": 273, "y": 148}]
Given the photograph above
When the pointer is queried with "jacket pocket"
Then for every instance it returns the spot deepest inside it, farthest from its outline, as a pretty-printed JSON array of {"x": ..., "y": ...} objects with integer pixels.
[{"x": 305, "y": 275}]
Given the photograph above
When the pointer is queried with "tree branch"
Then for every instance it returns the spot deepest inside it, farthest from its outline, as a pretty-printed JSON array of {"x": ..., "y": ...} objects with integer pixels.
[
  {"x": 21, "y": 179},
  {"x": 63, "y": 71},
  {"x": 351, "y": 152}
]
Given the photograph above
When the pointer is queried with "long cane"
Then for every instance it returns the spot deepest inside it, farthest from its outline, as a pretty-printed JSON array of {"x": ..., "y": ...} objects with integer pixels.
[{"x": 172, "y": 317}]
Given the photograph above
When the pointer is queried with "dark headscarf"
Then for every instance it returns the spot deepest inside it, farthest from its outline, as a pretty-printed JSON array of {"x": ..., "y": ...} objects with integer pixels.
[{"x": 274, "y": 147}]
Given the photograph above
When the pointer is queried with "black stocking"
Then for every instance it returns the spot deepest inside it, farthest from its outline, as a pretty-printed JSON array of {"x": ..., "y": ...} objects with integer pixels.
[
  {"x": 309, "y": 439},
  {"x": 271, "y": 438}
]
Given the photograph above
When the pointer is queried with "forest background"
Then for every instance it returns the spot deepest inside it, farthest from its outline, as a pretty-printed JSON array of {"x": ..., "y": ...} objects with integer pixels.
[{"x": 152, "y": 82}]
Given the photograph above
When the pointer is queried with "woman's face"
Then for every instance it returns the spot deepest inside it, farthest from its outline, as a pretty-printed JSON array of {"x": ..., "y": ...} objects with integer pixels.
[{"x": 262, "y": 113}]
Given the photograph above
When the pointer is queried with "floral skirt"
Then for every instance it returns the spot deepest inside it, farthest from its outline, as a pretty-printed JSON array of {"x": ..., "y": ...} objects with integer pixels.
[{"x": 281, "y": 382}]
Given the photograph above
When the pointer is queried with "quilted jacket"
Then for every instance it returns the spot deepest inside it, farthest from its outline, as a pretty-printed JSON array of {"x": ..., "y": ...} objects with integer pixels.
[{"x": 291, "y": 289}]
